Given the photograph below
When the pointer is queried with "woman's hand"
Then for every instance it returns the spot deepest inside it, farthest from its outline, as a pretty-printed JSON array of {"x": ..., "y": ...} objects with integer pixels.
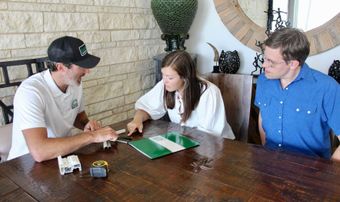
[
  {"x": 133, "y": 126},
  {"x": 137, "y": 122}
]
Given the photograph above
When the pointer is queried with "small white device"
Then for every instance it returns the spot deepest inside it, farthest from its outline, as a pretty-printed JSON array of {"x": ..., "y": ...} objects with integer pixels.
[{"x": 68, "y": 164}]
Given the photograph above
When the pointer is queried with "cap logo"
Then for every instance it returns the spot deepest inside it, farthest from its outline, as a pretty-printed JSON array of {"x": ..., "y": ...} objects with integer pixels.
[{"x": 82, "y": 50}]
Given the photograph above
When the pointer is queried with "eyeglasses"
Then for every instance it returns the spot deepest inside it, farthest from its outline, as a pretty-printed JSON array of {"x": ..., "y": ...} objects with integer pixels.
[{"x": 271, "y": 62}]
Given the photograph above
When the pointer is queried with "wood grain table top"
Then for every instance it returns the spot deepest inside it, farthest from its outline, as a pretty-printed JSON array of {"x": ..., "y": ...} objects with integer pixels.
[{"x": 217, "y": 170}]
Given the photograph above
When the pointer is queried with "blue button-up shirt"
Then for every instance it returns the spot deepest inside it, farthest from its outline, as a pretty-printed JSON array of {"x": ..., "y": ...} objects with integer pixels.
[{"x": 298, "y": 118}]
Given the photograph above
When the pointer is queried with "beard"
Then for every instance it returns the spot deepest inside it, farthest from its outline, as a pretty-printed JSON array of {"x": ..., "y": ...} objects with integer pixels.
[{"x": 72, "y": 80}]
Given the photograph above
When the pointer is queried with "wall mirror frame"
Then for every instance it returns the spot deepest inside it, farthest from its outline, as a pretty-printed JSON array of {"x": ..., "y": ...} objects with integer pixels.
[{"x": 322, "y": 38}]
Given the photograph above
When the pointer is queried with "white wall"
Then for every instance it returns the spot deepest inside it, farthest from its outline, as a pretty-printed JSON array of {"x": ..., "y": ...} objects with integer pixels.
[{"x": 208, "y": 27}]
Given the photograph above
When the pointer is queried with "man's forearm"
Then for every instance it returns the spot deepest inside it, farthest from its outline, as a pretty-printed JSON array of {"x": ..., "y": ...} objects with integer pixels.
[
  {"x": 261, "y": 131},
  {"x": 43, "y": 148},
  {"x": 336, "y": 154}
]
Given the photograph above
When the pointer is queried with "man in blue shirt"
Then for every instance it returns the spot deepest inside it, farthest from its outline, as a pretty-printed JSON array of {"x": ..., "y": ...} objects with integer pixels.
[{"x": 298, "y": 105}]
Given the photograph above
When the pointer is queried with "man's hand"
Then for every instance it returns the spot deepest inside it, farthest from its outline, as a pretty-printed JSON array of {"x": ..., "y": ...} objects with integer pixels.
[
  {"x": 133, "y": 126},
  {"x": 44, "y": 148},
  {"x": 92, "y": 126},
  {"x": 103, "y": 134}
]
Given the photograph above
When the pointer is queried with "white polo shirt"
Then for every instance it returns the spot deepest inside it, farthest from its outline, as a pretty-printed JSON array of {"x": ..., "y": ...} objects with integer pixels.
[
  {"x": 39, "y": 102},
  {"x": 208, "y": 116}
]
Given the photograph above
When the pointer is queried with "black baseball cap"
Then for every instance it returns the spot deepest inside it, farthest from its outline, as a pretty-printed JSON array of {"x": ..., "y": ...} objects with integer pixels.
[{"x": 68, "y": 49}]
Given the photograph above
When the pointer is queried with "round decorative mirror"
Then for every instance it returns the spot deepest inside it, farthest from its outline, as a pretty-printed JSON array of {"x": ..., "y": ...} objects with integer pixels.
[{"x": 322, "y": 38}]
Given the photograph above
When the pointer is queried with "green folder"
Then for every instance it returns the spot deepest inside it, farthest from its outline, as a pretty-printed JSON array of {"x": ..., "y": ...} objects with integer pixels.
[{"x": 161, "y": 145}]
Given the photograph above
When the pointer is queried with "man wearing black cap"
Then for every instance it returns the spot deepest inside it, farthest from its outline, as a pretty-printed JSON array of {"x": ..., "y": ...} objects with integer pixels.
[{"x": 48, "y": 104}]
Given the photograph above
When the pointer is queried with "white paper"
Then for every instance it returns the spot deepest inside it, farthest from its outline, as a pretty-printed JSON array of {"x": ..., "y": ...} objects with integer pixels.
[{"x": 173, "y": 147}]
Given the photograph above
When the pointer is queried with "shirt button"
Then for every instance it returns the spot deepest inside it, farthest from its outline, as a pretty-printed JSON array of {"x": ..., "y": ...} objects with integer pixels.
[
  {"x": 280, "y": 117},
  {"x": 287, "y": 88},
  {"x": 281, "y": 102},
  {"x": 259, "y": 103},
  {"x": 279, "y": 131},
  {"x": 297, "y": 109},
  {"x": 308, "y": 112},
  {"x": 279, "y": 145},
  {"x": 264, "y": 104}
]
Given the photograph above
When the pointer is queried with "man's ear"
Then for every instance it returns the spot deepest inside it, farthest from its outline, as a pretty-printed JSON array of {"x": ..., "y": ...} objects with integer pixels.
[
  {"x": 60, "y": 66},
  {"x": 294, "y": 64}
]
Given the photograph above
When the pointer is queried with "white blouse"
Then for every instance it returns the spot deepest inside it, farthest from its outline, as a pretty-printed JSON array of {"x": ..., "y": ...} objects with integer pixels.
[{"x": 208, "y": 116}]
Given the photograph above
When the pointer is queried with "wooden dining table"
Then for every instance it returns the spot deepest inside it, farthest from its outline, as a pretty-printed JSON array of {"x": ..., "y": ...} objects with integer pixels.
[{"x": 216, "y": 170}]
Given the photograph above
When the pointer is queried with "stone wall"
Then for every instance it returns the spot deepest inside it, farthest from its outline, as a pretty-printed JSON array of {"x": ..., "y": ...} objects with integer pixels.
[{"x": 123, "y": 33}]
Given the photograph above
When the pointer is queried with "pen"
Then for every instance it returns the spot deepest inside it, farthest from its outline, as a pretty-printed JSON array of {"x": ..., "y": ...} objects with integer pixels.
[{"x": 123, "y": 139}]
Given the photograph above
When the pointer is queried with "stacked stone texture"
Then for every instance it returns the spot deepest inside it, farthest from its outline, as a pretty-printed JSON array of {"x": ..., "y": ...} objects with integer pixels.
[{"x": 122, "y": 32}]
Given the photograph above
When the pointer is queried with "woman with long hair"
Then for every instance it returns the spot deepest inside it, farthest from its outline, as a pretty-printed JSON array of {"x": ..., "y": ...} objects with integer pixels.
[{"x": 188, "y": 99}]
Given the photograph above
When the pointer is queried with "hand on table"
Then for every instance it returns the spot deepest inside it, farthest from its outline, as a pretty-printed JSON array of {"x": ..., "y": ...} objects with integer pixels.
[
  {"x": 92, "y": 126},
  {"x": 134, "y": 126},
  {"x": 104, "y": 134}
]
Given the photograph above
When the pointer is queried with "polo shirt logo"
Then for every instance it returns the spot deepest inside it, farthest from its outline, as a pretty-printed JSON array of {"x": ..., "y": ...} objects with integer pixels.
[
  {"x": 82, "y": 50},
  {"x": 74, "y": 103}
]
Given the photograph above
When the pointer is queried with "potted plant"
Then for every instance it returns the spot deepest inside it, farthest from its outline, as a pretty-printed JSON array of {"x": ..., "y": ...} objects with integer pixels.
[{"x": 174, "y": 18}]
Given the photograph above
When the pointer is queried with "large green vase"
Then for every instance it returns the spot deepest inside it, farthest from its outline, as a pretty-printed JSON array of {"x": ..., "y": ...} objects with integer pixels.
[{"x": 174, "y": 17}]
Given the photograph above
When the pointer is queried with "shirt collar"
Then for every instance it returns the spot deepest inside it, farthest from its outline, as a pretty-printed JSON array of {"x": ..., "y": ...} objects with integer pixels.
[
  {"x": 51, "y": 84},
  {"x": 305, "y": 73}
]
